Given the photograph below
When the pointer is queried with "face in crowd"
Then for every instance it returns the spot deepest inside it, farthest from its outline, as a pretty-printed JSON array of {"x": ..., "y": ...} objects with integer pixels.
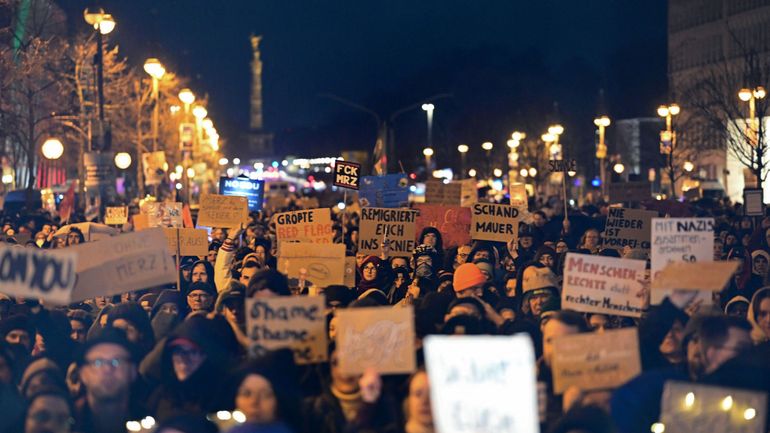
[
  {"x": 48, "y": 413},
  {"x": 418, "y": 407},
  {"x": 256, "y": 399},
  {"x": 369, "y": 272},
  {"x": 186, "y": 358},
  {"x": 108, "y": 372},
  {"x": 199, "y": 274},
  {"x": 199, "y": 300}
]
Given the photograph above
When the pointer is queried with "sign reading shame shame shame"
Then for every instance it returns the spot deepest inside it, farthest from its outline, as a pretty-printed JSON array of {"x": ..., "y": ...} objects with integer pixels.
[
  {"x": 595, "y": 361},
  {"x": 222, "y": 211},
  {"x": 297, "y": 323},
  {"x": 313, "y": 226},
  {"x": 606, "y": 285},
  {"x": 347, "y": 174},
  {"x": 482, "y": 384},
  {"x": 628, "y": 227},
  {"x": 37, "y": 274},
  {"x": 494, "y": 222},
  {"x": 395, "y": 225}
]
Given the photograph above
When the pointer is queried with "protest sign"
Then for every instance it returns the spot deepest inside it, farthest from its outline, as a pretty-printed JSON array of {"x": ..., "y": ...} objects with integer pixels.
[
  {"x": 391, "y": 190},
  {"x": 454, "y": 193},
  {"x": 681, "y": 240},
  {"x": 595, "y": 360},
  {"x": 91, "y": 231},
  {"x": 189, "y": 242},
  {"x": 322, "y": 265},
  {"x": 163, "y": 214},
  {"x": 297, "y": 323},
  {"x": 494, "y": 222},
  {"x": 378, "y": 337},
  {"x": 518, "y": 193},
  {"x": 116, "y": 216},
  {"x": 704, "y": 276},
  {"x": 454, "y": 223},
  {"x": 628, "y": 227},
  {"x": 38, "y": 274},
  {"x": 691, "y": 407},
  {"x": 752, "y": 202},
  {"x": 312, "y": 226},
  {"x": 252, "y": 189},
  {"x": 347, "y": 174},
  {"x": 606, "y": 285},
  {"x": 222, "y": 211},
  {"x": 562, "y": 165},
  {"x": 395, "y": 225},
  {"x": 482, "y": 384},
  {"x": 629, "y": 192},
  {"x": 153, "y": 163},
  {"x": 132, "y": 261}
]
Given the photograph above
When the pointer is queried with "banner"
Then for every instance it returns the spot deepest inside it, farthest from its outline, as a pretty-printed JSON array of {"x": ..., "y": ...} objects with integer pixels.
[
  {"x": 395, "y": 225},
  {"x": 124, "y": 263},
  {"x": 116, "y": 216},
  {"x": 454, "y": 223},
  {"x": 594, "y": 361},
  {"x": 252, "y": 189},
  {"x": 222, "y": 211},
  {"x": 153, "y": 163},
  {"x": 606, "y": 285},
  {"x": 681, "y": 240},
  {"x": 346, "y": 174},
  {"x": 628, "y": 227},
  {"x": 454, "y": 193},
  {"x": 191, "y": 242},
  {"x": 494, "y": 222},
  {"x": 312, "y": 226},
  {"x": 391, "y": 190},
  {"x": 322, "y": 265},
  {"x": 38, "y": 274},
  {"x": 296, "y": 322},
  {"x": 163, "y": 214},
  {"x": 482, "y": 384},
  {"x": 378, "y": 337}
]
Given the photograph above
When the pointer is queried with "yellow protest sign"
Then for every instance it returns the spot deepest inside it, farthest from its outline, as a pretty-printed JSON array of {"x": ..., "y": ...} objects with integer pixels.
[
  {"x": 116, "y": 216},
  {"x": 223, "y": 211},
  {"x": 395, "y": 225}
]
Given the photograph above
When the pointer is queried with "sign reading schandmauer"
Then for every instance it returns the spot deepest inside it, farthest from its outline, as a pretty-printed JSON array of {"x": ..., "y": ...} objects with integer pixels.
[
  {"x": 396, "y": 225},
  {"x": 494, "y": 222},
  {"x": 346, "y": 174}
]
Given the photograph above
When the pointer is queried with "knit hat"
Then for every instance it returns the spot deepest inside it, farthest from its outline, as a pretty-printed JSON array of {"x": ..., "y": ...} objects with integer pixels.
[
  {"x": 338, "y": 296},
  {"x": 445, "y": 276},
  {"x": 206, "y": 287},
  {"x": 425, "y": 250},
  {"x": 534, "y": 278},
  {"x": 17, "y": 321},
  {"x": 169, "y": 296},
  {"x": 486, "y": 266},
  {"x": 763, "y": 253},
  {"x": 466, "y": 276},
  {"x": 370, "y": 259},
  {"x": 234, "y": 292}
]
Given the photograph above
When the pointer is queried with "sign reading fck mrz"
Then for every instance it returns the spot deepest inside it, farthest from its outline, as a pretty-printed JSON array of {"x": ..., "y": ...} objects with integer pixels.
[{"x": 346, "y": 174}]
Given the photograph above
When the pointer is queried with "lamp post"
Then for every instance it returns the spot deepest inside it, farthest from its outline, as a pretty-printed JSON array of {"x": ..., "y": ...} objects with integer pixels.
[
  {"x": 428, "y": 108},
  {"x": 428, "y": 152},
  {"x": 156, "y": 71},
  {"x": 751, "y": 96},
  {"x": 463, "y": 149},
  {"x": 187, "y": 97},
  {"x": 52, "y": 149},
  {"x": 488, "y": 146},
  {"x": 668, "y": 140},
  {"x": 103, "y": 24},
  {"x": 513, "y": 155},
  {"x": 602, "y": 123}
]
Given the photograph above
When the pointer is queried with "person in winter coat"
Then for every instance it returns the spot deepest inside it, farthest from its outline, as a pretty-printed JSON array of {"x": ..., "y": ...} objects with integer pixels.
[
  {"x": 202, "y": 272},
  {"x": 375, "y": 274},
  {"x": 417, "y": 408},
  {"x": 131, "y": 318},
  {"x": 431, "y": 237},
  {"x": 759, "y": 316},
  {"x": 201, "y": 297},
  {"x": 738, "y": 306}
]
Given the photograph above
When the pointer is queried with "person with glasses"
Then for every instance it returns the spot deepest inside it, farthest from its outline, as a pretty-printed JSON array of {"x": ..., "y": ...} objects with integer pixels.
[
  {"x": 49, "y": 412},
  {"x": 201, "y": 297}
]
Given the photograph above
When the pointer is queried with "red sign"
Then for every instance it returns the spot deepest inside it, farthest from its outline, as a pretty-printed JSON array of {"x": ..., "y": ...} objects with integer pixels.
[{"x": 454, "y": 222}]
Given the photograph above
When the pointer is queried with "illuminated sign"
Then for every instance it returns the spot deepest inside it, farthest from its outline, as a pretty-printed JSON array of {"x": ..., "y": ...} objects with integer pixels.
[{"x": 241, "y": 186}]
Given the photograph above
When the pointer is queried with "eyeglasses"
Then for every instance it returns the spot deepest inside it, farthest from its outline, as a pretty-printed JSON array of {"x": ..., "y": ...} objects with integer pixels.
[
  {"x": 370, "y": 268},
  {"x": 100, "y": 363},
  {"x": 44, "y": 417},
  {"x": 198, "y": 296}
]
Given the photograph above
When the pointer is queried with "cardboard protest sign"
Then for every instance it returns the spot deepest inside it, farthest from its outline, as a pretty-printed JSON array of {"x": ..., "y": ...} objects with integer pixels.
[
  {"x": 38, "y": 274},
  {"x": 378, "y": 337},
  {"x": 312, "y": 226},
  {"x": 395, "y": 225},
  {"x": 703, "y": 276},
  {"x": 752, "y": 202},
  {"x": 494, "y": 222},
  {"x": 595, "y": 360},
  {"x": 347, "y": 174},
  {"x": 630, "y": 192},
  {"x": 190, "y": 242},
  {"x": 116, "y": 216},
  {"x": 519, "y": 198},
  {"x": 296, "y": 322},
  {"x": 91, "y": 232},
  {"x": 222, "y": 211},
  {"x": 124, "y": 263},
  {"x": 163, "y": 214},
  {"x": 140, "y": 222},
  {"x": 606, "y": 285},
  {"x": 391, "y": 190},
  {"x": 628, "y": 227},
  {"x": 482, "y": 383},
  {"x": 454, "y": 223},
  {"x": 681, "y": 240},
  {"x": 690, "y": 407},
  {"x": 454, "y": 193},
  {"x": 252, "y": 189},
  {"x": 322, "y": 265}
]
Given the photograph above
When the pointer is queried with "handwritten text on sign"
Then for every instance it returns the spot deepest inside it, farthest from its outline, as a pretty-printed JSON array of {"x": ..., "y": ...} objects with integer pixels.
[
  {"x": 37, "y": 274},
  {"x": 482, "y": 384},
  {"x": 494, "y": 222},
  {"x": 395, "y": 225},
  {"x": 191, "y": 242},
  {"x": 454, "y": 223},
  {"x": 298, "y": 323},
  {"x": 313, "y": 226},
  {"x": 347, "y": 174},
  {"x": 222, "y": 211},
  {"x": 320, "y": 265},
  {"x": 595, "y": 361},
  {"x": 163, "y": 214},
  {"x": 381, "y": 338},
  {"x": 628, "y": 227},
  {"x": 116, "y": 216},
  {"x": 681, "y": 240},
  {"x": 606, "y": 285}
]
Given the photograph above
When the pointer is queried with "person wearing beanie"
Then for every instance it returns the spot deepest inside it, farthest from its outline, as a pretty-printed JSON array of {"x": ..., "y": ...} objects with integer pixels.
[
  {"x": 230, "y": 304},
  {"x": 18, "y": 329},
  {"x": 444, "y": 280},
  {"x": 486, "y": 267},
  {"x": 738, "y": 306},
  {"x": 468, "y": 280},
  {"x": 426, "y": 261},
  {"x": 132, "y": 319},
  {"x": 431, "y": 236},
  {"x": 338, "y": 296},
  {"x": 267, "y": 283},
  {"x": 201, "y": 296},
  {"x": 374, "y": 274},
  {"x": 547, "y": 257}
]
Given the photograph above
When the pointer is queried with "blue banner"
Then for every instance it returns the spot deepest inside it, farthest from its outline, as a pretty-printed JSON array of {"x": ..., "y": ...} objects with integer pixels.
[
  {"x": 252, "y": 189},
  {"x": 391, "y": 190}
]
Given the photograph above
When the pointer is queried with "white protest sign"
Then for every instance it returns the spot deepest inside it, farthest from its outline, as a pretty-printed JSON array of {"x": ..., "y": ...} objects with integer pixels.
[
  {"x": 124, "y": 263},
  {"x": 482, "y": 384},
  {"x": 163, "y": 214},
  {"x": 396, "y": 225},
  {"x": 37, "y": 274},
  {"x": 606, "y": 285},
  {"x": 323, "y": 265},
  {"x": 296, "y": 322},
  {"x": 681, "y": 240},
  {"x": 494, "y": 222}
]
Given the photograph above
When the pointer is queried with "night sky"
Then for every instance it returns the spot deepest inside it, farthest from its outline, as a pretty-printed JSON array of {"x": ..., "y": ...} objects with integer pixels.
[{"x": 506, "y": 62}]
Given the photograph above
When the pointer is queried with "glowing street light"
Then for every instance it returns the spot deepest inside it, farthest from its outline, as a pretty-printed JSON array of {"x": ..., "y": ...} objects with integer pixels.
[
  {"x": 524, "y": 172},
  {"x": 497, "y": 172},
  {"x": 619, "y": 168},
  {"x": 533, "y": 171},
  {"x": 472, "y": 172},
  {"x": 200, "y": 112},
  {"x": 122, "y": 160},
  {"x": 154, "y": 68},
  {"x": 463, "y": 148},
  {"x": 52, "y": 149},
  {"x": 688, "y": 166},
  {"x": 186, "y": 96},
  {"x": 223, "y": 161},
  {"x": 487, "y": 145}
]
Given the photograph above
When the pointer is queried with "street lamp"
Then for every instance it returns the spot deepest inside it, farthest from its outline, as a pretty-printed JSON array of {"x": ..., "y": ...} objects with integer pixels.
[
  {"x": 602, "y": 123},
  {"x": 532, "y": 172},
  {"x": 751, "y": 96},
  {"x": 122, "y": 160},
  {"x": 463, "y": 149},
  {"x": 523, "y": 172},
  {"x": 619, "y": 168},
  {"x": 52, "y": 149},
  {"x": 428, "y": 108},
  {"x": 155, "y": 69},
  {"x": 497, "y": 172},
  {"x": 187, "y": 97},
  {"x": 472, "y": 172},
  {"x": 428, "y": 152},
  {"x": 668, "y": 139},
  {"x": 103, "y": 23},
  {"x": 200, "y": 112},
  {"x": 488, "y": 146},
  {"x": 688, "y": 166}
]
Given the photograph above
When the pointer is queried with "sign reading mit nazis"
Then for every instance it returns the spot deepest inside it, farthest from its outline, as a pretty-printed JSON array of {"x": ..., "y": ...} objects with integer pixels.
[{"x": 494, "y": 222}]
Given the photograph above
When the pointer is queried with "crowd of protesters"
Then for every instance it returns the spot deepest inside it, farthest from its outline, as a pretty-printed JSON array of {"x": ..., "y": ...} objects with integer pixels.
[{"x": 171, "y": 359}]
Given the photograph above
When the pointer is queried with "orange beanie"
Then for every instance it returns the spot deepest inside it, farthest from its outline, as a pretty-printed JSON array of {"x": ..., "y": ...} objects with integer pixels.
[{"x": 467, "y": 275}]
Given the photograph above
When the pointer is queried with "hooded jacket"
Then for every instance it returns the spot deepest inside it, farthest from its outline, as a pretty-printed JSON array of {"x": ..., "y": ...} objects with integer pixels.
[{"x": 757, "y": 335}]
